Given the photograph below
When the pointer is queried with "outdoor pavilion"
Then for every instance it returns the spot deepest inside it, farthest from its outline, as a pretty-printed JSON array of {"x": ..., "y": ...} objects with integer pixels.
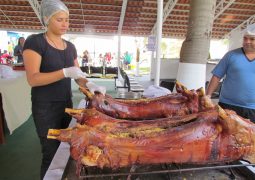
[{"x": 197, "y": 21}]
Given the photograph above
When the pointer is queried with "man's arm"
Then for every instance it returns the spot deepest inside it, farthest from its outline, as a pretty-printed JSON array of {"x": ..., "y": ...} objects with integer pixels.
[{"x": 213, "y": 85}]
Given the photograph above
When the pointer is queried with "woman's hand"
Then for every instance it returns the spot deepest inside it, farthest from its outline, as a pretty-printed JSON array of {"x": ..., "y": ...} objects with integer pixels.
[{"x": 74, "y": 72}]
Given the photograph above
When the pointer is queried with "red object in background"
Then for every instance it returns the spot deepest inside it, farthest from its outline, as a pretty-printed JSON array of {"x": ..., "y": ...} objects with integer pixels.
[
  {"x": 18, "y": 68},
  {"x": 7, "y": 57},
  {"x": 108, "y": 57}
]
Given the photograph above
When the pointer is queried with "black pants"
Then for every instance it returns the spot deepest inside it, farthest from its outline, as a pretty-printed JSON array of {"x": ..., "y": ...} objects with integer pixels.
[
  {"x": 49, "y": 115},
  {"x": 241, "y": 111}
]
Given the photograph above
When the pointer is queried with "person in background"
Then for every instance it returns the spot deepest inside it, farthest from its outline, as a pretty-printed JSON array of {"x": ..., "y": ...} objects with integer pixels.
[
  {"x": 1, "y": 60},
  {"x": 85, "y": 58},
  {"x": 127, "y": 59},
  {"x": 108, "y": 57},
  {"x": 18, "y": 50},
  {"x": 237, "y": 68},
  {"x": 10, "y": 48},
  {"x": 5, "y": 54},
  {"x": 50, "y": 64},
  {"x": 6, "y": 58}
]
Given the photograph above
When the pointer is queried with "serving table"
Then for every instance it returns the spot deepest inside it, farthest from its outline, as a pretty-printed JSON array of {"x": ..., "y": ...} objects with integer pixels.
[{"x": 15, "y": 101}]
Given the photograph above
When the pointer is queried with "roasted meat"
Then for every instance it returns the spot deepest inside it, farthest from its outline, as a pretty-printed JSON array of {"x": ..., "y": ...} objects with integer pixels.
[
  {"x": 103, "y": 122},
  {"x": 176, "y": 104},
  {"x": 214, "y": 137}
]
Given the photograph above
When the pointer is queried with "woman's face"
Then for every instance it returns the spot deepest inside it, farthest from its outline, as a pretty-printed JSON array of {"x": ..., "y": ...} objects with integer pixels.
[
  {"x": 22, "y": 40},
  {"x": 59, "y": 23}
]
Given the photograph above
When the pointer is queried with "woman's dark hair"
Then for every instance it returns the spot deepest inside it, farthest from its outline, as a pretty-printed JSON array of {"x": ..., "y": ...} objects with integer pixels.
[{"x": 20, "y": 39}]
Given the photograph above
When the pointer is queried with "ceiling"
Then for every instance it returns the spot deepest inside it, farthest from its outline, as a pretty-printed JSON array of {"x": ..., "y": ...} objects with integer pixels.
[{"x": 103, "y": 17}]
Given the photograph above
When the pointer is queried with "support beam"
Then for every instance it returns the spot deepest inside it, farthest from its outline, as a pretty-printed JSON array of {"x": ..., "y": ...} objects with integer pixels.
[
  {"x": 37, "y": 8},
  {"x": 122, "y": 16},
  {"x": 243, "y": 25},
  {"x": 167, "y": 10},
  {"x": 82, "y": 15},
  {"x": 221, "y": 7},
  {"x": 7, "y": 18},
  {"x": 158, "y": 39}
]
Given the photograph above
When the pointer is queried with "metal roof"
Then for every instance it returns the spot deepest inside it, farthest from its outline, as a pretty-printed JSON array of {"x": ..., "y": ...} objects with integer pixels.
[{"x": 136, "y": 17}]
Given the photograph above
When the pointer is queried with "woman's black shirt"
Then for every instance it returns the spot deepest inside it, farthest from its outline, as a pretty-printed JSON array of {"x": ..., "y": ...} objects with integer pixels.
[{"x": 52, "y": 60}]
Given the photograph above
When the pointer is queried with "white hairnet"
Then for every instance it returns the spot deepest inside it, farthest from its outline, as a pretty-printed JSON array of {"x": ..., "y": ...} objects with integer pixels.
[
  {"x": 250, "y": 30},
  {"x": 51, "y": 7}
]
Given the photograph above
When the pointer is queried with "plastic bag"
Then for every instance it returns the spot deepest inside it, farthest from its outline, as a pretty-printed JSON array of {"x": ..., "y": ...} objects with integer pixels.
[{"x": 155, "y": 91}]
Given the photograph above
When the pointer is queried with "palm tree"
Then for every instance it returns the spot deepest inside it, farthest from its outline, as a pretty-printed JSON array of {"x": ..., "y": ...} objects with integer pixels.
[{"x": 195, "y": 48}]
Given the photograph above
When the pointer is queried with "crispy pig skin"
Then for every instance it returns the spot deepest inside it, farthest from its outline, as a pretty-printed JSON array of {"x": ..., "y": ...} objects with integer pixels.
[
  {"x": 212, "y": 138},
  {"x": 94, "y": 118},
  {"x": 174, "y": 105},
  {"x": 177, "y": 104}
]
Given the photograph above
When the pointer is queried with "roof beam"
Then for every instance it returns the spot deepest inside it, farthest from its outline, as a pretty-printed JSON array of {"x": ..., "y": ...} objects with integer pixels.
[
  {"x": 167, "y": 9},
  {"x": 243, "y": 25},
  {"x": 8, "y": 18},
  {"x": 122, "y": 16},
  {"x": 221, "y": 7},
  {"x": 245, "y": 4},
  {"x": 36, "y": 7},
  {"x": 83, "y": 19}
]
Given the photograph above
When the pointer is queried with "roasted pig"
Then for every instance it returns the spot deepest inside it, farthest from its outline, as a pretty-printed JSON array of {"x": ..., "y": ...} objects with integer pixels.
[
  {"x": 103, "y": 122},
  {"x": 176, "y": 104},
  {"x": 214, "y": 137}
]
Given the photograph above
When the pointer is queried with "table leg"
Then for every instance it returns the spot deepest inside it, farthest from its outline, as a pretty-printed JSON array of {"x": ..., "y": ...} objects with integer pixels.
[{"x": 1, "y": 121}]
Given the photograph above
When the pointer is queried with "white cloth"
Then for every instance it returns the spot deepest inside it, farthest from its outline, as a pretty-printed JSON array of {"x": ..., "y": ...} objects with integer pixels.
[
  {"x": 6, "y": 72},
  {"x": 155, "y": 91},
  {"x": 16, "y": 99}
]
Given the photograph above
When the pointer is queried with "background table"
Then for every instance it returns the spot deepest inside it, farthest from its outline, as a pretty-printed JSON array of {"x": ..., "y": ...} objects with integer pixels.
[{"x": 16, "y": 100}]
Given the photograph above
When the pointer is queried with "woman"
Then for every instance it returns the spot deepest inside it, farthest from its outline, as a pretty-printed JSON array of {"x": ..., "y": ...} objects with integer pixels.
[
  {"x": 85, "y": 58},
  {"x": 18, "y": 50},
  {"x": 50, "y": 63}
]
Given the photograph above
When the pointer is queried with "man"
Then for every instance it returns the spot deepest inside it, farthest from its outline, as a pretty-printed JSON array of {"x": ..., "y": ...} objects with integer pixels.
[{"x": 238, "y": 69}]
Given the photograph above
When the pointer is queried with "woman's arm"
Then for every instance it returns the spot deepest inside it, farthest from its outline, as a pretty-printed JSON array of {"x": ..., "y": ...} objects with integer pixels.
[{"x": 32, "y": 62}]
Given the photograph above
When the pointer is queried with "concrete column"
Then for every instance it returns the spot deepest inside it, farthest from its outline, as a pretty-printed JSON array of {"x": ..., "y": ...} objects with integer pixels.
[{"x": 159, "y": 36}]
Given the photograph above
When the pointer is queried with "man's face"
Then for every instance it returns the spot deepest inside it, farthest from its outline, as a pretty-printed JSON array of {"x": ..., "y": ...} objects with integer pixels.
[{"x": 249, "y": 43}]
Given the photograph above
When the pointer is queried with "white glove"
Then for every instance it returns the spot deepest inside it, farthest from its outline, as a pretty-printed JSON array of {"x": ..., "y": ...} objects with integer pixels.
[
  {"x": 74, "y": 72},
  {"x": 95, "y": 88}
]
